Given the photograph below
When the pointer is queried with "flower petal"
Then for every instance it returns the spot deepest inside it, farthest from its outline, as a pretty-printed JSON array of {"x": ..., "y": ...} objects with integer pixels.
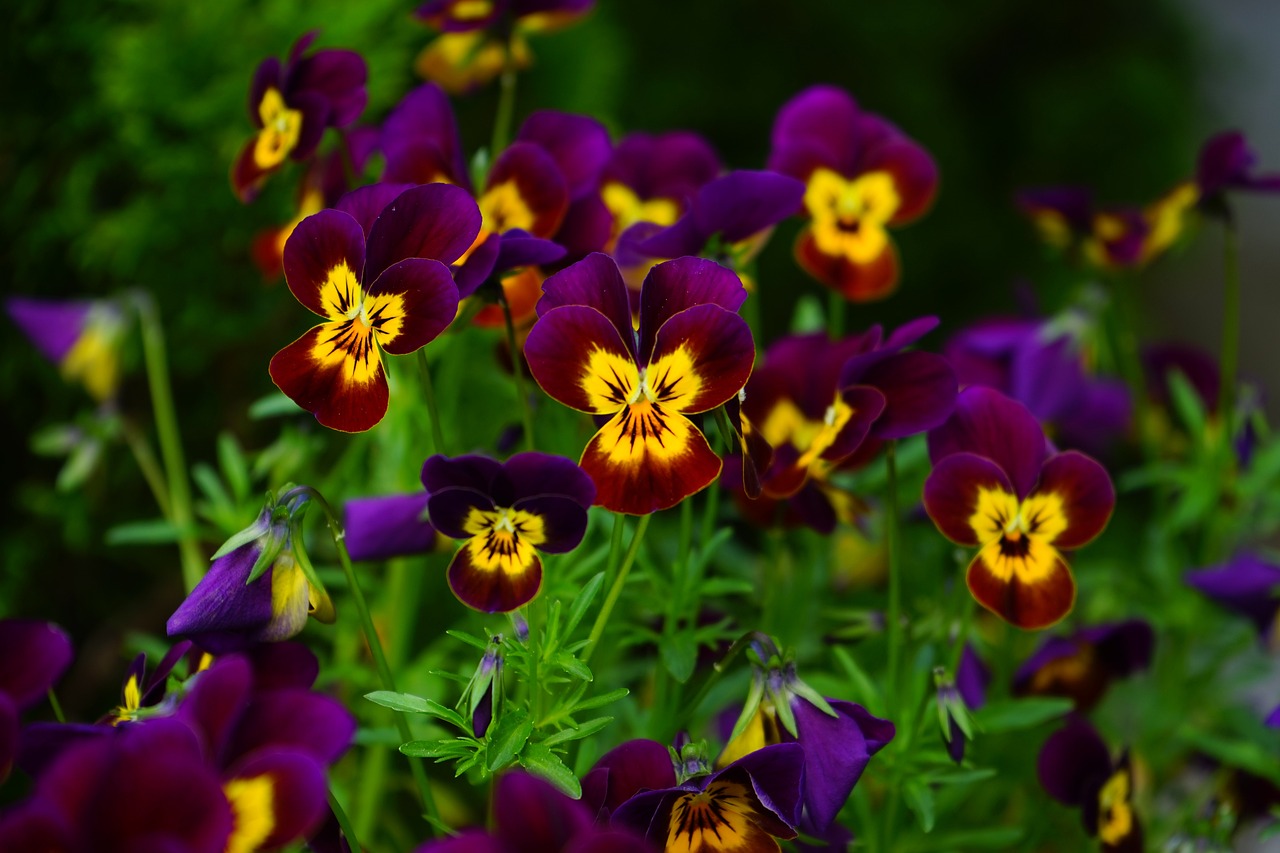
[
  {"x": 836, "y": 751},
  {"x": 646, "y": 459},
  {"x": 222, "y": 613},
  {"x": 36, "y": 654},
  {"x": 532, "y": 815},
  {"x": 576, "y": 355},
  {"x": 1086, "y": 494},
  {"x": 336, "y": 374},
  {"x": 1073, "y": 762},
  {"x": 867, "y": 282},
  {"x": 277, "y": 796},
  {"x": 675, "y": 286},
  {"x": 1030, "y": 591},
  {"x": 534, "y": 474},
  {"x": 365, "y": 204},
  {"x": 625, "y": 771},
  {"x": 437, "y": 221},
  {"x": 311, "y": 722},
  {"x": 955, "y": 491},
  {"x": 323, "y": 262},
  {"x": 389, "y": 526},
  {"x": 700, "y": 359},
  {"x": 578, "y": 144},
  {"x": 920, "y": 391},
  {"x": 745, "y": 202},
  {"x": 420, "y": 140},
  {"x": 987, "y": 423},
  {"x": 411, "y": 303},
  {"x": 525, "y": 190}
]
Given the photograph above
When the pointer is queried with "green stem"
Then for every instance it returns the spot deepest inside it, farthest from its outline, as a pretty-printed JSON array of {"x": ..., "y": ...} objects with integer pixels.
[
  {"x": 153, "y": 348},
  {"x": 666, "y": 690},
  {"x": 835, "y": 315},
  {"x": 1230, "y": 328},
  {"x": 343, "y": 821},
  {"x": 433, "y": 410},
  {"x": 517, "y": 370},
  {"x": 57, "y": 707},
  {"x": 616, "y": 589},
  {"x": 150, "y": 468},
  {"x": 379, "y": 658},
  {"x": 895, "y": 573},
  {"x": 506, "y": 105}
]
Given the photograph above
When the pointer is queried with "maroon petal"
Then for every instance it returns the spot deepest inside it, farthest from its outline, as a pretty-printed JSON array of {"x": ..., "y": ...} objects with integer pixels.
[
  {"x": 625, "y": 771},
  {"x": 586, "y": 228},
  {"x": 320, "y": 247},
  {"x": 328, "y": 388},
  {"x": 539, "y": 183},
  {"x": 952, "y": 491},
  {"x": 247, "y": 177},
  {"x": 669, "y": 165},
  {"x": 35, "y": 656},
  {"x": 390, "y": 526},
  {"x": 867, "y": 407},
  {"x": 578, "y": 144},
  {"x": 365, "y": 204},
  {"x": 315, "y": 120},
  {"x": 312, "y": 723},
  {"x": 437, "y": 221},
  {"x": 283, "y": 664},
  {"x": 596, "y": 283},
  {"x": 988, "y": 423},
  {"x": 675, "y": 286},
  {"x": 867, "y": 282},
  {"x": 1086, "y": 493},
  {"x": 920, "y": 392},
  {"x": 648, "y": 460},
  {"x": 8, "y": 737},
  {"x": 493, "y": 590},
  {"x": 576, "y": 355},
  {"x": 339, "y": 76},
  {"x": 425, "y": 303},
  {"x": 530, "y": 815},
  {"x": 421, "y": 142},
  {"x": 700, "y": 359},
  {"x": 915, "y": 175},
  {"x": 217, "y": 703}
]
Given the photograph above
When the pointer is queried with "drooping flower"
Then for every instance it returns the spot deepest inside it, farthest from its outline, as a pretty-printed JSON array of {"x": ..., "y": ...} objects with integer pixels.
[
  {"x": 375, "y": 269},
  {"x": 691, "y": 354},
  {"x": 996, "y": 486},
  {"x": 483, "y": 694},
  {"x": 862, "y": 176},
  {"x": 1247, "y": 585},
  {"x": 1076, "y": 769},
  {"x": 505, "y": 512},
  {"x": 1082, "y": 666},
  {"x": 953, "y": 715},
  {"x": 745, "y": 806},
  {"x": 388, "y": 526},
  {"x": 257, "y": 589},
  {"x": 838, "y": 738},
  {"x": 293, "y": 104},
  {"x": 35, "y": 656},
  {"x": 82, "y": 337},
  {"x": 1226, "y": 163}
]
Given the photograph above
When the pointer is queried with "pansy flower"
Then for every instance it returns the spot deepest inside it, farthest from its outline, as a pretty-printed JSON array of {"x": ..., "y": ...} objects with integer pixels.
[
  {"x": 82, "y": 337},
  {"x": 505, "y": 513},
  {"x": 624, "y": 771},
  {"x": 375, "y": 269},
  {"x": 651, "y": 178},
  {"x": 35, "y": 656},
  {"x": 1075, "y": 768},
  {"x": 995, "y": 485},
  {"x": 387, "y": 526},
  {"x": 691, "y": 354},
  {"x": 1226, "y": 163},
  {"x": 1082, "y": 666},
  {"x": 746, "y": 806},
  {"x": 1247, "y": 585},
  {"x": 862, "y": 176},
  {"x": 293, "y": 104}
]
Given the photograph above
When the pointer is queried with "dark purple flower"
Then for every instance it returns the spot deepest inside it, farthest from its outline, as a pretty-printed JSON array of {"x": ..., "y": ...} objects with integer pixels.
[
  {"x": 421, "y": 142},
  {"x": 1227, "y": 162},
  {"x": 82, "y": 337},
  {"x": 652, "y": 178},
  {"x": 35, "y": 656},
  {"x": 293, "y": 104},
  {"x": 1082, "y": 666},
  {"x": 627, "y": 770},
  {"x": 1247, "y": 585},
  {"x": 388, "y": 526},
  {"x": 744, "y": 806},
  {"x": 505, "y": 513},
  {"x": 1076, "y": 769}
]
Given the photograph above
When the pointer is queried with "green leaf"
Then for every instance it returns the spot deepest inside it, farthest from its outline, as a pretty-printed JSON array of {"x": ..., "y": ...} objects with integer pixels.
[
  {"x": 572, "y": 665},
  {"x": 1254, "y": 757},
  {"x": 234, "y": 467},
  {"x": 410, "y": 704},
  {"x": 442, "y": 749},
  {"x": 582, "y": 601},
  {"x": 79, "y": 466},
  {"x": 1187, "y": 403},
  {"x": 680, "y": 655},
  {"x": 715, "y": 587},
  {"x": 602, "y": 699},
  {"x": 919, "y": 799},
  {"x": 539, "y": 760},
  {"x": 863, "y": 687},
  {"x": 155, "y": 532},
  {"x": 272, "y": 406},
  {"x": 950, "y": 776},
  {"x": 1014, "y": 714},
  {"x": 579, "y": 732},
  {"x": 508, "y": 737},
  {"x": 468, "y": 639}
]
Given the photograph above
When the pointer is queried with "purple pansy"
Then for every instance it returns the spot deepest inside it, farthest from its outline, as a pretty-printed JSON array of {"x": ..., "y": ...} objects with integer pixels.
[
  {"x": 82, "y": 337},
  {"x": 380, "y": 528},
  {"x": 506, "y": 512},
  {"x": 1076, "y": 769}
]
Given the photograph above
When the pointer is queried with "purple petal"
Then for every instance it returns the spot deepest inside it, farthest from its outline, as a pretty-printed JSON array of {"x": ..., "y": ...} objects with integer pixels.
[
  {"x": 836, "y": 751},
  {"x": 579, "y": 145},
  {"x": 478, "y": 267},
  {"x": 223, "y": 614},
  {"x": 743, "y": 203},
  {"x": 8, "y": 736},
  {"x": 627, "y": 770},
  {"x": 384, "y": 527},
  {"x": 683, "y": 238},
  {"x": 470, "y": 841},
  {"x": 953, "y": 490},
  {"x": 35, "y": 656},
  {"x": 972, "y": 678},
  {"x": 437, "y": 221},
  {"x": 1247, "y": 585},
  {"x": 818, "y": 127},
  {"x": 365, "y": 204},
  {"x": 1073, "y": 762},
  {"x": 596, "y": 283},
  {"x": 217, "y": 702},
  {"x": 338, "y": 75},
  {"x": 776, "y": 772},
  {"x": 920, "y": 391},
  {"x": 586, "y": 228},
  {"x": 535, "y": 474},
  {"x": 421, "y": 142},
  {"x": 530, "y": 815},
  {"x": 40, "y": 744},
  {"x": 315, "y": 724},
  {"x": 518, "y": 249},
  {"x": 283, "y": 664},
  {"x": 52, "y": 326},
  {"x": 674, "y": 286},
  {"x": 298, "y": 792},
  {"x": 670, "y": 165},
  {"x": 987, "y": 423},
  {"x": 1273, "y": 719}
]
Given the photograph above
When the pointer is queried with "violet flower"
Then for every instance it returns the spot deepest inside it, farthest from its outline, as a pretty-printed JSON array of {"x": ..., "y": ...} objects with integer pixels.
[
  {"x": 1082, "y": 666},
  {"x": 82, "y": 337},
  {"x": 1076, "y": 769},
  {"x": 380, "y": 528}
]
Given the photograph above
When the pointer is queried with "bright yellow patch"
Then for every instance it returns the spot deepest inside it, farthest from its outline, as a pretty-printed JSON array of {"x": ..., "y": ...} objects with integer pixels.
[
  {"x": 628, "y": 208},
  {"x": 503, "y": 540},
  {"x": 253, "y": 816},
  {"x": 610, "y": 381},
  {"x": 503, "y": 208},
  {"x": 760, "y": 732},
  {"x": 672, "y": 380},
  {"x": 849, "y": 216},
  {"x": 1168, "y": 219},
  {"x": 1115, "y": 812},
  {"x": 128, "y": 709},
  {"x": 94, "y": 359},
  {"x": 359, "y": 326},
  {"x": 471, "y": 10},
  {"x": 645, "y": 431},
  {"x": 280, "y": 129},
  {"x": 1017, "y": 538},
  {"x": 462, "y": 61},
  {"x": 786, "y": 424},
  {"x": 290, "y": 597},
  {"x": 836, "y": 419},
  {"x": 712, "y": 820}
]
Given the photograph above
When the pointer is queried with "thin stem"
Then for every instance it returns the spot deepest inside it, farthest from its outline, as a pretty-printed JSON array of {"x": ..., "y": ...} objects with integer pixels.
[
  {"x": 616, "y": 590},
  {"x": 379, "y": 657},
  {"x": 343, "y": 821},
  {"x": 1230, "y": 327},
  {"x": 895, "y": 572},
  {"x": 835, "y": 315},
  {"x": 517, "y": 370},
  {"x": 57, "y": 707},
  {"x": 506, "y": 104},
  {"x": 175, "y": 464},
  {"x": 150, "y": 468},
  {"x": 433, "y": 410}
]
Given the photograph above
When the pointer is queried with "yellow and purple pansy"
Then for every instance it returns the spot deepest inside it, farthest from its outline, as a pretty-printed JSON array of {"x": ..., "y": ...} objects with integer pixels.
[
  {"x": 995, "y": 485},
  {"x": 293, "y": 104},
  {"x": 652, "y": 178},
  {"x": 375, "y": 269},
  {"x": 1082, "y": 666},
  {"x": 862, "y": 177},
  {"x": 505, "y": 513},
  {"x": 690, "y": 354},
  {"x": 82, "y": 337},
  {"x": 1076, "y": 769}
]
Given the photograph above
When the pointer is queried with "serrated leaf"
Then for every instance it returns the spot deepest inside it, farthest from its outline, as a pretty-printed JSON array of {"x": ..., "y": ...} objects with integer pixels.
[
  {"x": 508, "y": 737},
  {"x": 679, "y": 655},
  {"x": 539, "y": 760},
  {"x": 919, "y": 799},
  {"x": 579, "y": 732},
  {"x": 1014, "y": 714},
  {"x": 154, "y": 532},
  {"x": 410, "y": 704},
  {"x": 602, "y": 699},
  {"x": 582, "y": 601}
]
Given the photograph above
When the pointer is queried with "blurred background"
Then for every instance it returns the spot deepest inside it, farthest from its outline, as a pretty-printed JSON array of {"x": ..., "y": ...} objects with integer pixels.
[{"x": 122, "y": 117}]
